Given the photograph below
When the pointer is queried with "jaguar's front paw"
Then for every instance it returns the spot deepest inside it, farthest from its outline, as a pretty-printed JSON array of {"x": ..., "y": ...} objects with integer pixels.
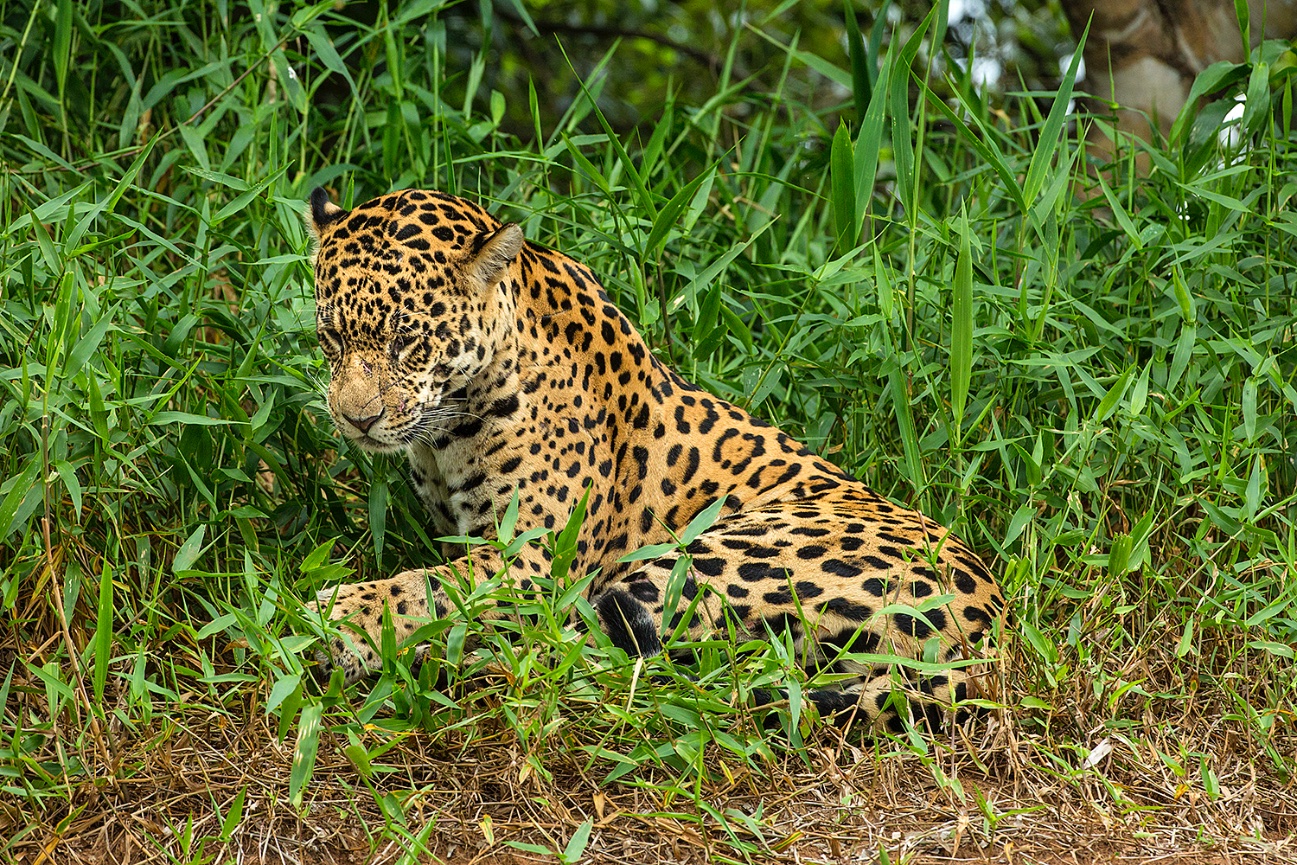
[
  {"x": 360, "y": 606},
  {"x": 352, "y": 652}
]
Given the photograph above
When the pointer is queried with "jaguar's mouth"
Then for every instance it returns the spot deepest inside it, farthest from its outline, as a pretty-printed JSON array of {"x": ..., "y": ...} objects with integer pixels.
[{"x": 370, "y": 442}]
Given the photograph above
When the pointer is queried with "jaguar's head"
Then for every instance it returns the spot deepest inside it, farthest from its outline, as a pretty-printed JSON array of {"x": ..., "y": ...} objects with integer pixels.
[{"x": 412, "y": 293}]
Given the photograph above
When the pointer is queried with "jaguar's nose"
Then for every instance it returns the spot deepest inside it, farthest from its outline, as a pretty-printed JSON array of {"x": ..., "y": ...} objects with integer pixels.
[{"x": 364, "y": 423}]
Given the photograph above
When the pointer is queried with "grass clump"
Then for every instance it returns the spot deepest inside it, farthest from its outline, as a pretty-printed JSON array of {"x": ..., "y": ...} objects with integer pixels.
[{"x": 1088, "y": 372}]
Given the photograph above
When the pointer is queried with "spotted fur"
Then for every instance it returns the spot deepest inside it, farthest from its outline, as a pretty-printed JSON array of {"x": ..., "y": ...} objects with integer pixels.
[{"x": 497, "y": 365}]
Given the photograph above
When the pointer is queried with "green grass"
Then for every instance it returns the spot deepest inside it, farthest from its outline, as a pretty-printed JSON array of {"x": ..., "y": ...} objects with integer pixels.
[{"x": 1091, "y": 375}]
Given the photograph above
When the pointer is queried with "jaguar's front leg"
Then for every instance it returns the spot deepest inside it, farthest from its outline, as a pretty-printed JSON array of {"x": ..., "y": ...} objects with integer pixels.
[{"x": 414, "y": 597}]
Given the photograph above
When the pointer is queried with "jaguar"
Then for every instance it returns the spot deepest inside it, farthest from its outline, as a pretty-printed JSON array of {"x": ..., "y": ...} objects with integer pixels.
[{"x": 508, "y": 378}]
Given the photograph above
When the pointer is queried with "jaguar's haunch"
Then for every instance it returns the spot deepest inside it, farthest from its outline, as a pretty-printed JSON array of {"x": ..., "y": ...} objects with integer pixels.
[{"x": 498, "y": 365}]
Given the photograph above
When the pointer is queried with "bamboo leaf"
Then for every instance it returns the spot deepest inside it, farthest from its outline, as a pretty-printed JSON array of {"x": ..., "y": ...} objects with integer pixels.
[
  {"x": 189, "y": 551},
  {"x": 1047, "y": 144},
  {"x": 861, "y": 74},
  {"x": 842, "y": 181},
  {"x": 62, "y": 47},
  {"x": 905, "y": 423},
  {"x": 961, "y": 331},
  {"x": 869, "y": 140},
  {"x": 378, "y": 495},
  {"x": 308, "y": 743},
  {"x": 103, "y": 638}
]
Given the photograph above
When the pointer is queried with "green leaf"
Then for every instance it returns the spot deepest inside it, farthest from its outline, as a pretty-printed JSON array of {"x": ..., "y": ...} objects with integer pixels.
[
  {"x": 1047, "y": 142},
  {"x": 586, "y": 166},
  {"x": 701, "y": 522},
  {"x": 89, "y": 343},
  {"x": 521, "y": 8},
  {"x": 565, "y": 543},
  {"x": 674, "y": 591},
  {"x": 4, "y": 689},
  {"x": 1180, "y": 360},
  {"x": 704, "y": 279},
  {"x": 215, "y": 626},
  {"x": 510, "y": 519},
  {"x": 1046, "y": 649},
  {"x": 378, "y": 495},
  {"x": 103, "y": 638},
  {"x": 1112, "y": 398},
  {"x": 308, "y": 743},
  {"x": 242, "y": 201},
  {"x": 1256, "y": 110},
  {"x": 284, "y": 686},
  {"x": 652, "y": 551},
  {"x": 1279, "y": 650},
  {"x": 1243, "y": 13},
  {"x": 961, "y": 332},
  {"x": 1215, "y": 77},
  {"x": 794, "y": 703},
  {"x": 234, "y": 816},
  {"x": 902, "y": 132},
  {"x": 1139, "y": 394},
  {"x": 1249, "y": 409},
  {"x": 1119, "y": 556},
  {"x": 107, "y": 204},
  {"x": 1020, "y": 520},
  {"x": 646, "y": 199},
  {"x": 575, "y": 848},
  {"x": 22, "y": 485},
  {"x": 869, "y": 140},
  {"x": 1185, "y": 645},
  {"x": 905, "y": 423},
  {"x": 983, "y": 143},
  {"x": 323, "y": 45},
  {"x": 665, "y": 218},
  {"x": 1123, "y": 218},
  {"x": 902, "y": 136},
  {"x": 1268, "y": 612},
  {"x": 860, "y": 66},
  {"x": 842, "y": 181},
  {"x": 189, "y": 551},
  {"x": 62, "y": 48},
  {"x": 708, "y": 312},
  {"x": 358, "y": 755},
  {"x": 163, "y": 418}
]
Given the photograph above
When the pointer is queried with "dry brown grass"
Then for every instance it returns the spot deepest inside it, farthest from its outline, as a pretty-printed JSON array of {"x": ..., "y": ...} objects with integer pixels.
[{"x": 838, "y": 801}]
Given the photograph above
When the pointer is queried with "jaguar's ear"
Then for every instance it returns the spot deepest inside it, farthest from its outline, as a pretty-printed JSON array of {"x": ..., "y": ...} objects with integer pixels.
[
  {"x": 321, "y": 211},
  {"x": 492, "y": 253}
]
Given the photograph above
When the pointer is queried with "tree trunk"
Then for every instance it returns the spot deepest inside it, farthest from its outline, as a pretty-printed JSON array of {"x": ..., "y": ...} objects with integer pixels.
[{"x": 1143, "y": 55}]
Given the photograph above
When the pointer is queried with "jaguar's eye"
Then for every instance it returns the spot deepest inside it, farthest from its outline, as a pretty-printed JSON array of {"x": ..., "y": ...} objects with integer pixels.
[
  {"x": 441, "y": 370},
  {"x": 398, "y": 344},
  {"x": 330, "y": 340}
]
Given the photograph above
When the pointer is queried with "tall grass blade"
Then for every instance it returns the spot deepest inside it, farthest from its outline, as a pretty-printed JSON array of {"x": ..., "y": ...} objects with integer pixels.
[
  {"x": 983, "y": 143},
  {"x": 103, "y": 639},
  {"x": 869, "y": 140},
  {"x": 378, "y": 500},
  {"x": 902, "y": 129},
  {"x": 900, "y": 394},
  {"x": 1048, "y": 142},
  {"x": 961, "y": 331},
  {"x": 842, "y": 181},
  {"x": 861, "y": 71},
  {"x": 308, "y": 744},
  {"x": 62, "y": 47}
]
